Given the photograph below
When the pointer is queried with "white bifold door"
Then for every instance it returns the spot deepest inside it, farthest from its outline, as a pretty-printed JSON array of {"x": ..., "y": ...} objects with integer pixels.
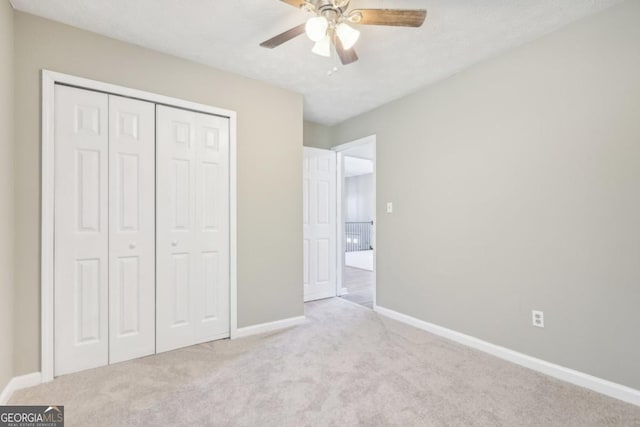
[
  {"x": 141, "y": 253},
  {"x": 193, "y": 228},
  {"x": 319, "y": 223},
  {"x": 104, "y": 229},
  {"x": 132, "y": 231}
]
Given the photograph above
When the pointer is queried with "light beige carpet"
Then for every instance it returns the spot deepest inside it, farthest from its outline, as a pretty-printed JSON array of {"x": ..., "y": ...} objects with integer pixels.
[{"x": 346, "y": 366}]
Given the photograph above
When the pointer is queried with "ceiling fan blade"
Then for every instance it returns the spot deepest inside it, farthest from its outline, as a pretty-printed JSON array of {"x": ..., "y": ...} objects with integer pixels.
[
  {"x": 295, "y": 3},
  {"x": 283, "y": 37},
  {"x": 347, "y": 56},
  {"x": 393, "y": 17}
]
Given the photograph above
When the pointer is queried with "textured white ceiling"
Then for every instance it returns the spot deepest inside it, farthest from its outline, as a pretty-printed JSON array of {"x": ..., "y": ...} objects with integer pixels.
[{"x": 393, "y": 61}]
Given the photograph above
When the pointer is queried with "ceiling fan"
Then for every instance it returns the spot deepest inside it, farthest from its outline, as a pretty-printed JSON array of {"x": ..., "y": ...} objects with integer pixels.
[{"x": 330, "y": 25}]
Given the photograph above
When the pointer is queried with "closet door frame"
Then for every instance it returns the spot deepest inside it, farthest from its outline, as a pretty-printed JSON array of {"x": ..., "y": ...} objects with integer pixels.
[{"x": 47, "y": 225}]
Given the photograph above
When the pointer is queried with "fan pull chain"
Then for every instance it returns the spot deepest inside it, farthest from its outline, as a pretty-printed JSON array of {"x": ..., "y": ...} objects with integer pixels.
[{"x": 333, "y": 70}]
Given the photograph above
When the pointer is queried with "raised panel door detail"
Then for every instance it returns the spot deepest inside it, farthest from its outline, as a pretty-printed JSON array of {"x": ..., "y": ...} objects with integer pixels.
[
  {"x": 211, "y": 137},
  {"x": 323, "y": 204},
  {"x": 324, "y": 164},
  {"x": 182, "y": 133},
  {"x": 324, "y": 256},
  {"x": 180, "y": 283},
  {"x": 211, "y": 285},
  {"x": 128, "y": 288},
  {"x": 87, "y": 301},
  {"x": 129, "y": 198},
  {"x": 180, "y": 191},
  {"x": 210, "y": 183},
  {"x": 88, "y": 184},
  {"x": 87, "y": 119},
  {"x": 128, "y": 125}
]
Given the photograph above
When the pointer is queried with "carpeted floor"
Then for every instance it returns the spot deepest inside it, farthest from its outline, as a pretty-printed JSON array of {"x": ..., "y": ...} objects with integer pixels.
[
  {"x": 359, "y": 283},
  {"x": 345, "y": 366}
]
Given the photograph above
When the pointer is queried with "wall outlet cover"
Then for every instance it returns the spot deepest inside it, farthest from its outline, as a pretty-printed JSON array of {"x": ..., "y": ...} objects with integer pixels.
[{"x": 537, "y": 318}]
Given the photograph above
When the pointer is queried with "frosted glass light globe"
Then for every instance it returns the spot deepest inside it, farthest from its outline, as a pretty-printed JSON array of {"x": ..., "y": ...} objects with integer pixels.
[
  {"x": 348, "y": 36},
  {"x": 322, "y": 47},
  {"x": 316, "y": 28}
]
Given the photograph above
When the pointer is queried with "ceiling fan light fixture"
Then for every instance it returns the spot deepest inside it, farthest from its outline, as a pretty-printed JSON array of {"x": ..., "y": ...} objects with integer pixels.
[
  {"x": 316, "y": 28},
  {"x": 322, "y": 47},
  {"x": 348, "y": 36}
]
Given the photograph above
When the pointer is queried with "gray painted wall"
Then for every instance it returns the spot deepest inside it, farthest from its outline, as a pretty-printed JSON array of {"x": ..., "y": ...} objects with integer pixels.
[
  {"x": 269, "y": 165},
  {"x": 516, "y": 186},
  {"x": 317, "y": 135},
  {"x": 6, "y": 193}
]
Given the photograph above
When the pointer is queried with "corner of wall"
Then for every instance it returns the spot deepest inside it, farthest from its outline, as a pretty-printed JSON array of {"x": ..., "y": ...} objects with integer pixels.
[
  {"x": 317, "y": 135},
  {"x": 7, "y": 214}
]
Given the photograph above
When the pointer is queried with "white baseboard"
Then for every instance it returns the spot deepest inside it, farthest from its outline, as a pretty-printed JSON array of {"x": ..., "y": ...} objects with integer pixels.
[
  {"x": 269, "y": 326},
  {"x": 599, "y": 385},
  {"x": 18, "y": 383}
]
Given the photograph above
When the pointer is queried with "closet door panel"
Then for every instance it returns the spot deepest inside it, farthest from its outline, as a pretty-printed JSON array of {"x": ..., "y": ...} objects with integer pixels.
[
  {"x": 131, "y": 228},
  {"x": 81, "y": 230},
  {"x": 193, "y": 230},
  {"x": 212, "y": 227},
  {"x": 175, "y": 228}
]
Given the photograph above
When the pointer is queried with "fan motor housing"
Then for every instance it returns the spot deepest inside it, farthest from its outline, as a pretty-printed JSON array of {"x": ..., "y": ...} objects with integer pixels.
[{"x": 325, "y": 7}]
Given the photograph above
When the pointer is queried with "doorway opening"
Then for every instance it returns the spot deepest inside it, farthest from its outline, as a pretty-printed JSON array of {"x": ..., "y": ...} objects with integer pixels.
[{"x": 356, "y": 221}]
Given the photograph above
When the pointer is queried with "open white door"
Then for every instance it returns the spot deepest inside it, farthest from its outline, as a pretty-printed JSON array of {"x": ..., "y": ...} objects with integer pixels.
[{"x": 319, "y": 223}]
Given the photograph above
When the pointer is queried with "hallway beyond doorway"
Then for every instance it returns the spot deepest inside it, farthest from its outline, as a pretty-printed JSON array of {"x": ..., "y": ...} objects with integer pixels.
[
  {"x": 359, "y": 259},
  {"x": 359, "y": 284}
]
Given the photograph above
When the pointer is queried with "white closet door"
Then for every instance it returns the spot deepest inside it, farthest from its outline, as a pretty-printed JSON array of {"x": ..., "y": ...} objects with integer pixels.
[
  {"x": 212, "y": 227},
  {"x": 319, "y": 223},
  {"x": 192, "y": 228},
  {"x": 131, "y": 228},
  {"x": 81, "y": 230}
]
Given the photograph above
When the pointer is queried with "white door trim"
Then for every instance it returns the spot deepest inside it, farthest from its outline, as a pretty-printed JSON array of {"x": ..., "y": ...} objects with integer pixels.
[
  {"x": 371, "y": 139},
  {"x": 49, "y": 79}
]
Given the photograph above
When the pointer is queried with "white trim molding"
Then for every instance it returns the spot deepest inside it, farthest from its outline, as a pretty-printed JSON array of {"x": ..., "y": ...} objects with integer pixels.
[
  {"x": 599, "y": 385},
  {"x": 49, "y": 80},
  {"x": 261, "y": 328},
  {"x": 340, "y": 149},
  {"x": 18, "y": 383}
]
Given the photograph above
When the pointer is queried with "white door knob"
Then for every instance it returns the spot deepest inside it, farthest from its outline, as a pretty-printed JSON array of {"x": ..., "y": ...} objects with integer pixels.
[
  {"x": 174, "y": 243},
  {"x": 132, "y": 245}
]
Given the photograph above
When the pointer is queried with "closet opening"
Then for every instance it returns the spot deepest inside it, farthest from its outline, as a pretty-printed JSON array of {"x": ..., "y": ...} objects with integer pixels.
[{"x": 138, "y": 224}]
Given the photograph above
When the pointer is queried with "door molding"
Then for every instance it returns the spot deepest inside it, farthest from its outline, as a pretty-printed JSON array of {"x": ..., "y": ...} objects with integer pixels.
[
  {"x": 340, "y": 149},
  {"x": 49, "y": 80}
]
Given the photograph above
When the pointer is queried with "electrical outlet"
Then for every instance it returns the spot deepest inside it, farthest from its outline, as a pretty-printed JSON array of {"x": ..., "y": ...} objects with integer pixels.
[
  {"x": 537, "y": 318},
  {"x": 389, "y": 207}
]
